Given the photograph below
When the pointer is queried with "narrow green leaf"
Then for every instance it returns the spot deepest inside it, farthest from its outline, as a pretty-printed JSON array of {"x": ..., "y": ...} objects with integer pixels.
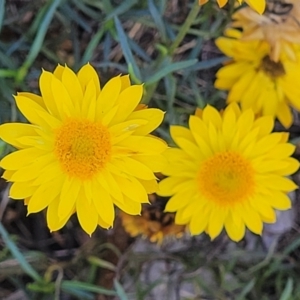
[
  {"x": 120, "y": 290},
  {"x": 120, "y": 9},
  {"x": 206, "y": 64},
  {"x": 92, "y": 46},
  {"x": 73, "y": 284},
  {"x": 2, "y": 10},
  {"x": 157, "y": 20},
  {"x": 247, "y": 289},
  {"x": 38, "y": 41},
  {"x": 169, "y": 69},
  {"x": 101, "y": 263},
  {"x": 126, "y": 50},
  {"x": 18, "y": 255},
  {"x": 288, "y": 290}
]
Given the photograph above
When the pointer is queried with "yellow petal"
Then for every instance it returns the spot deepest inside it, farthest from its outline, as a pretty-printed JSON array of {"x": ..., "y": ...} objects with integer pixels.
[
  {"x": 130, "y": 207},
  {"x": 73, "y": 87},
  {"x": 108, "y": 97},
  {"x": 53, "y": 222},
  {"x": 37, "y": 99},
  {"x": 154, "y": 117},
  {"x": 68, "y": 196},
  {"x": 133, "y": 167},
  {"x": 127, "y": 102},
  {"x": 10, "y": 132},
  {"x": 132, "y": 189},
  {"x": 86, "y": 74},
  {"x": 46, "y": 90},
  {"x": 21, "y": 190},
  {"x": 87, "y": 214},
  {"x": 236, "y": 233},
  {"x": 21, "y": 158},
  {"x": 103, "y": 204}
]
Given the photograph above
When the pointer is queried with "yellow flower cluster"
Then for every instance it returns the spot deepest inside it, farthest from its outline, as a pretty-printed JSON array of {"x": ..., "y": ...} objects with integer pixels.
[
  {"x": 89, "y": 149},
  {"x": 264, "y": 69}
]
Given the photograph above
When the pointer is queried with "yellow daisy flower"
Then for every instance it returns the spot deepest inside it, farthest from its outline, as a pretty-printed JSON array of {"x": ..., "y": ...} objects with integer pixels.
[
  {"x": 153, "y": 223},
  {"x": 229, "y": 171},
  {"x": 257, "y": 5},
  {"x": 256, "y": 81},
  {"x": 85, "y": 150},
  {"x": 279, "y": 26}
]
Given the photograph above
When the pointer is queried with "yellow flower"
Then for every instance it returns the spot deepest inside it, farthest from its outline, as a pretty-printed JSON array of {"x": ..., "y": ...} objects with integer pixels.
[
  {"x": 153, "y": 223},
  {"x": 256, "y": 81},
  {"x": 229, "y": 171},
  {"x": 85, "y": 150},
  {"x": 257, "y": 5},
  {"x": 278, "y": 26}
]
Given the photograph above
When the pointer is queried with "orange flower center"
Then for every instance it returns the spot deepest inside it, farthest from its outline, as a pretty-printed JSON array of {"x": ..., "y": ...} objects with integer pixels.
[
  {"x": 226, "y": 178},
  {"x": 82, "y": 147},
  {"x": 272, "y": 68}
]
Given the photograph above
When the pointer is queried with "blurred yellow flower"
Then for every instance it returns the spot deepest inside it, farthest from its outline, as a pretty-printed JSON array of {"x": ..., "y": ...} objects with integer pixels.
[
  {"x": 85, "y": 150},
  {"x": 257, "y": 5},
  {"x": 229, "y": 171},
  {"x": 279, "y": 26},
  {"x": 153, "y": 223},
  {"x": 256, "y": 81}
]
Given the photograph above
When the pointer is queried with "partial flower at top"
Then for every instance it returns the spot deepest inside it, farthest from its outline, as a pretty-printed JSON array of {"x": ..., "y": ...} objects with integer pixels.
[
  {"x": 229, "y": 171},
  {"x": 279, "y": 26},
  {"x": 257, "y": 5},
  {"x": 256, "y": 81},
  {"x": 153, "y": 223},
  {"x": 85, "y": 150}
]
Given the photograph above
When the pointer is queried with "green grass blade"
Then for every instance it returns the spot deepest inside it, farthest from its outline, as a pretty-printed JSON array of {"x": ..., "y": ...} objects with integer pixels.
[
  {"x": 169, "y": 69},
  {"x": 122, "y": 8},
  {"x": 18, "y": 255},
  {"x": 157, "y": 20},
  {"x": 120, "y": 291},
  {"x": 68, "y": 285},
  {"x": 2, "y": 10},
  {"x": 39, "y": 39},
  {"x": 288, "y": 290},
  {"x": 126, "y": 50}
]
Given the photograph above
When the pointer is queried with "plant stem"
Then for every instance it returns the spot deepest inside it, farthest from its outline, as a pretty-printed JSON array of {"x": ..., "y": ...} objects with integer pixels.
[{"x": 185, "y": 26}]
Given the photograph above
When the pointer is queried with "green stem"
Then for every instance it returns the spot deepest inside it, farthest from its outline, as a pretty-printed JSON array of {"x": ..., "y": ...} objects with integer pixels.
[
  {"x": 18, "y": 255},
  {"x": 185, "y": 26}
]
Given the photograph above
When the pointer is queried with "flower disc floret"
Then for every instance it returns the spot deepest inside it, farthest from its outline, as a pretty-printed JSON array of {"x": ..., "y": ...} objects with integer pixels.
[{"x": 229, "y": 171}]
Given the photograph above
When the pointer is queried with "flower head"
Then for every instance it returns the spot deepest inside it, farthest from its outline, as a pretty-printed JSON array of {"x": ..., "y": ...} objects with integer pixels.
[
  {"x": 278, "y": 26},
  {"x": 256, "y": 81},
  {"x": 257, "y": 5},
  {"x": 229, "y": 171},
  {"x": 85, "y": 150},
  {"x": 153, "y": 223}
]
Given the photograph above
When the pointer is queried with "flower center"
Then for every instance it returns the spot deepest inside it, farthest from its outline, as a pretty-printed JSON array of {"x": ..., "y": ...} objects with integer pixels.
[
  {"x": 82, "y": 147},
  {"x": 226, "y": 178},
  {"x": 272, "y": 68}
]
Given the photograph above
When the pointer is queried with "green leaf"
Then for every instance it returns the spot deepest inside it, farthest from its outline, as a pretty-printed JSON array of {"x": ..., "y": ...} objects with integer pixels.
[
  {"x": 101, "y": 263},
  {"x": 2, "y": 10},
  {"x": 18, "y": 255},
  {"x": 169, "y": 69},
  {"x": 288, "y": 290},
  {"x": 68, "y": 285},
  {"x": 120, "y": 291},
  {"x": 120, "y": 9},
  {"x": 247, "y": 289},
  {"x": 39, "y": 39},
  {"x": 157, "y": 20},
  {"x": 123, "y": 39}
]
